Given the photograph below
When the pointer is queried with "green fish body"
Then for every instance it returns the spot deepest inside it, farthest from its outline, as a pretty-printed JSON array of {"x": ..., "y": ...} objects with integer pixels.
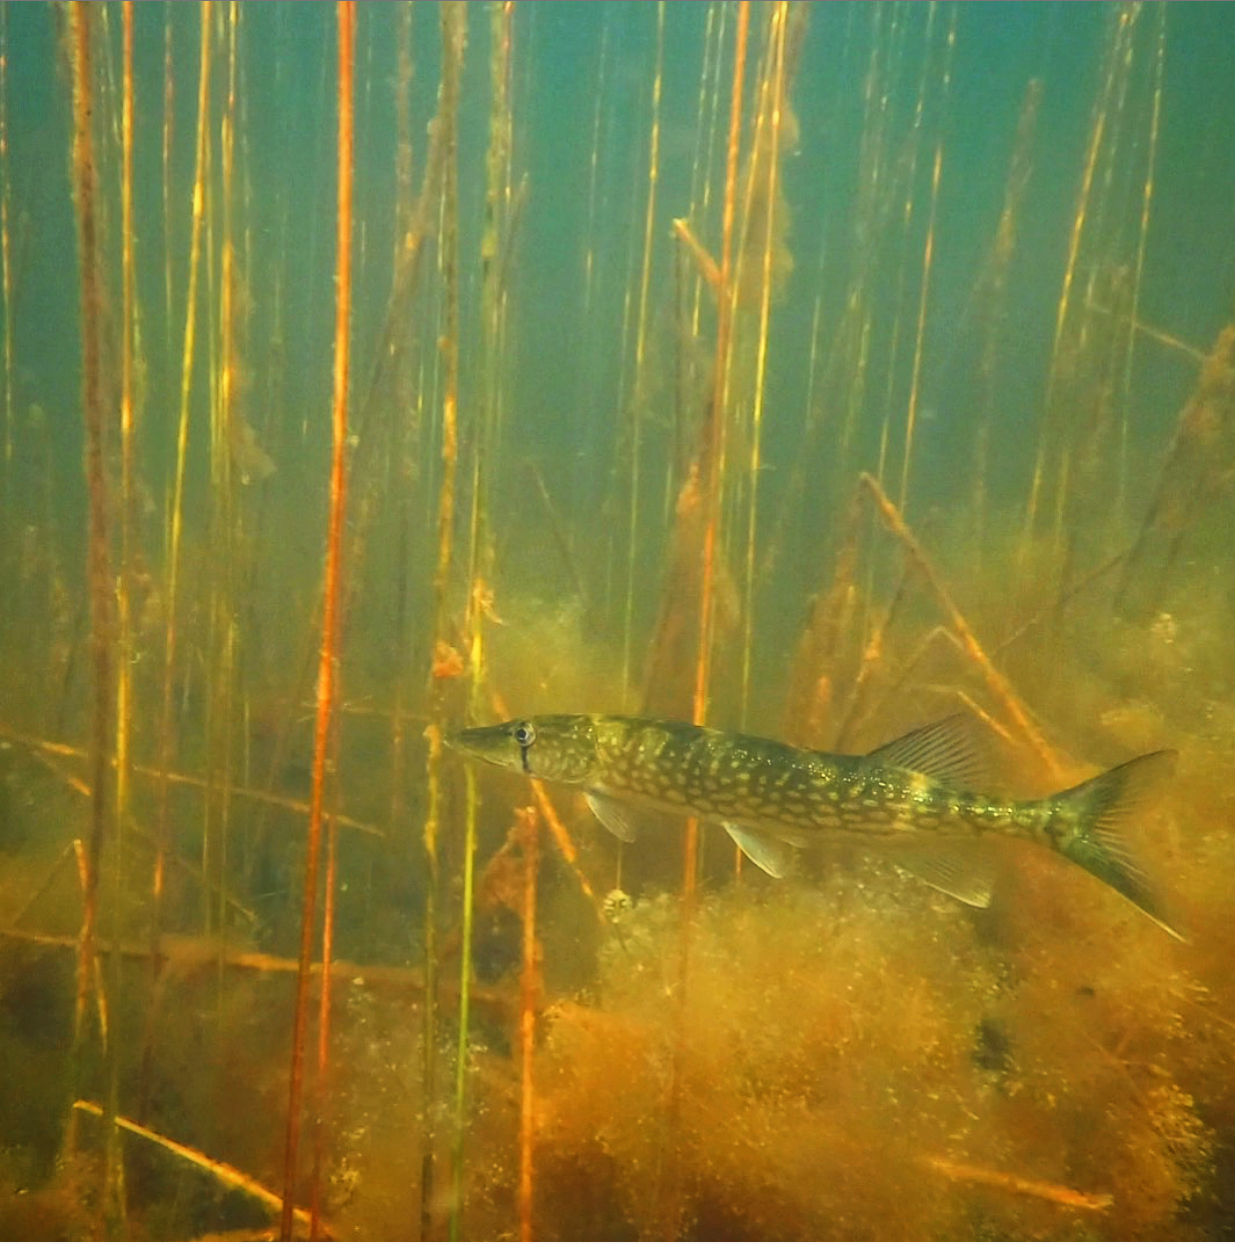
[{"x": 914, "y": 799}]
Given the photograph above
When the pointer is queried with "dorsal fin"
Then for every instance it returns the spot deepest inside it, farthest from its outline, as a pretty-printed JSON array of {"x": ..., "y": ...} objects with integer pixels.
[{"x": 949, "y": 751}]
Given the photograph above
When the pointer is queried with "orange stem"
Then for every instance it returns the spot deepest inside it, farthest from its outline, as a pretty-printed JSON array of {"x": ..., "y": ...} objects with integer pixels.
[
  {"x": 330, "y": 611},
  {"x": 529, "y": 998}
]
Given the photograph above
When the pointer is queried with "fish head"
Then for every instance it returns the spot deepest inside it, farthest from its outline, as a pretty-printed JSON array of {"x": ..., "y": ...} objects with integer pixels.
[{"x": 553, "y": 748}]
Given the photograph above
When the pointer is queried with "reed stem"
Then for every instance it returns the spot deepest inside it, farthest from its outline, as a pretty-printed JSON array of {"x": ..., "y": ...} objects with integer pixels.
[
  {"x": 641, "y": 334},
  {"x": 769, "y": 122},
  {"x": 529, "y": 998},
  {"x": 996, "y": 683},
  {"x": 223, "y": 1172},
  {"x": 85, "y": 188},
  {"x": 453, "y": 18},
  {"x": 6, "y": 282},
  {"x": 167, "y": 729},
  {"x": 328, "y": 664}
]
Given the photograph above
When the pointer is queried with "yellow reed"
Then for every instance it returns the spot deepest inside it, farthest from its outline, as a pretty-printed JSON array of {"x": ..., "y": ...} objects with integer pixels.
[
  {"x": 641, "y": 332},
  {"x": 770, "y": 116},
  {"x": 529, "y": 1005},
  {"x": 175, "y": 518},
  {"x": 329, "y": 657}
]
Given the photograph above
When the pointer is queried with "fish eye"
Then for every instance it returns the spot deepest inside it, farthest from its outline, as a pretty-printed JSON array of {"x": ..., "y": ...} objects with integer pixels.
[{"x": 524, "y": 734}]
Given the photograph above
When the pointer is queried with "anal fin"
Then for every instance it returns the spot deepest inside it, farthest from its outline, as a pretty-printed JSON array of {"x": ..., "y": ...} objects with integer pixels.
[{"x": 962, "y": 869}]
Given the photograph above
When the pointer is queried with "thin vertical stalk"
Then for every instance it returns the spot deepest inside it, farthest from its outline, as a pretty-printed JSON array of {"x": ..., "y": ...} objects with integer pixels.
[
  {"x": 484, "y": 438},
  {"x": 116, "y": 1198},
  {"x": 996, "y": 296},
  {"x": 915, "y": 384},
  {"x": 409, "y": 400},
  {"x": 1083, "y": 204},
  {"x": 169, "y": 102},
  {"x": 1147, "y": 195},
  {"x": 529, "y": 993},
  {"x": 719, "y": 405},
  {"x": 775, "y": 88},
  {"x": 6, "y": 267},
  {"x": 321, "y": 1083},
  {"x": 907, "y": 216},
  {"x": 454, "y": 39},
  {"x": 85, "y": 193},
  {"x": 589, "y": 253},
  {"x": 328, "y": 664},
  {"x": 454, "y": 28},
  {"x": 668, "y": 1194},
  {"x": 640, "y": 390},
  {"x": 928, "y": 249},
  {"x": 124, "y": 677},
  {"x": 176, "y": 517},
  {"x": 224, "y": 513}
]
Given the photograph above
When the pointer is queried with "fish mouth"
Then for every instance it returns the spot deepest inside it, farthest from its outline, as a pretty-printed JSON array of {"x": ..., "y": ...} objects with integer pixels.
[{"x": 477, "y": 741}]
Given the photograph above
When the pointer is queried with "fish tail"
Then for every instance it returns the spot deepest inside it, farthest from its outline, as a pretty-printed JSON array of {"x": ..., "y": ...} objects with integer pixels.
[{"x": 1087, "y": 826}]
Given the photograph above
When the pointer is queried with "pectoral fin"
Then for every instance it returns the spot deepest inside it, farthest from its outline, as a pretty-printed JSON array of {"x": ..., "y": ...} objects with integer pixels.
[
  {"x": 614, "y": 816},
  {"x": 772, "y": 855}
]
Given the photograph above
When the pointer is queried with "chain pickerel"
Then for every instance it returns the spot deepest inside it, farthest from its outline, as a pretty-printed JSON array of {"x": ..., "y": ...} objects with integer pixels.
[{"x": 914, "y": 799}]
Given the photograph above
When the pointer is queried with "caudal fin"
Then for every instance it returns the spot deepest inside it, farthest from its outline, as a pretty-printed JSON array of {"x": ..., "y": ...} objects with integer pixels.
[{"x": 1089, "y": 820}]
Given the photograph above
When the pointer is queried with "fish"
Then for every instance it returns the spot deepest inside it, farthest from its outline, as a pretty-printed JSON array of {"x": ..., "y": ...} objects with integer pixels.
[{"x": 916, "y": 799}]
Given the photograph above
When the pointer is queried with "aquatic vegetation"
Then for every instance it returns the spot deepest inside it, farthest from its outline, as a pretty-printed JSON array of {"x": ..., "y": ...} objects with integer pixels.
[{"x": 806, "y": 373}]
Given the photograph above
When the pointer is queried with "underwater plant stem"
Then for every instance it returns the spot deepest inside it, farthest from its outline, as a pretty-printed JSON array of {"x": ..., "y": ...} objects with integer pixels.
[
  {"x": 1049, "y": 417},
  {"x": 325, "y": 997},
  {"x": 223, "y": 1172},
  {"x": 637, "y": 412},
  {"x": 1058, "y": 1194},
  {"x": 995, "y": 298},
  {"x": 190, "y": 953},
  {"x": 1147, "y": 195},
  {"x": 6, "y": 275},
  {"x": 124, "y": 681},
  {"x": 454, "y": 28},
  {"x": 169, "y": 101},
  {"x": 928, "y": 250},
  {"x": 668, "y": 1209},
  {"x": 775, "y": 92},
  {"x": 529, "y": 994},
  {"x": 328, "y": 665},
  {"x": 453, "y": 19},
  {"x": 46, "y": 747},
  {"x": 224, "y": 520},
  {"x": 998, "y": 685},
  {"x": 116, "y": 1198},
  {"x": 176, "y": 517},
  {"x": 464, "y": 1043},
  {"x": 720, "y": 401},
  {"x": 84, "y": 190}
]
